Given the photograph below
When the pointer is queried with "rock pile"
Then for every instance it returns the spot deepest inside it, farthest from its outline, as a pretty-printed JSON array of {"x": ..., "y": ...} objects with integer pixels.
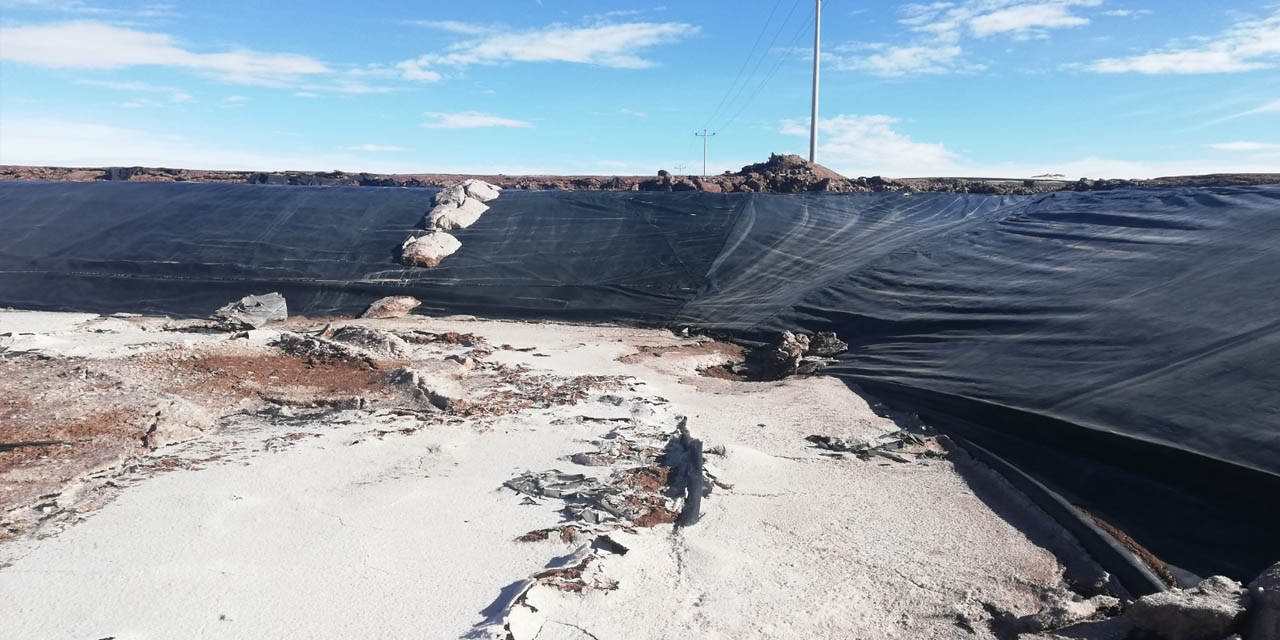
[
  {"x": 780, "y": 174},
  {"x": 1217, "y": 608},
  {"x": 790, "y": 354},
  {"x": 456, "y": 207}
]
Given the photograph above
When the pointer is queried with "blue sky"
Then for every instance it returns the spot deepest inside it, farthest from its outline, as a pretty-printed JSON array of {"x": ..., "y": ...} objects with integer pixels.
[{"x": 1123, "y": 88}]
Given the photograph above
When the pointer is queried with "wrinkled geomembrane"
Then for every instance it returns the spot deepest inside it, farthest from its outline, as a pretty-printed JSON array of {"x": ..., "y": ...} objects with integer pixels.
[{"x": 1122, "y": 345}]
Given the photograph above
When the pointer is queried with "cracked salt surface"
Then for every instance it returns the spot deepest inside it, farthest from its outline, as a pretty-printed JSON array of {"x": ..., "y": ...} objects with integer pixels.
[{"x": 361, "y": 530}]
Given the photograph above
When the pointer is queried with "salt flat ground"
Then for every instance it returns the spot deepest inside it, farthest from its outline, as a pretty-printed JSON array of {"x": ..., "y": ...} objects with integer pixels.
[{"x": 375, "y": 523}]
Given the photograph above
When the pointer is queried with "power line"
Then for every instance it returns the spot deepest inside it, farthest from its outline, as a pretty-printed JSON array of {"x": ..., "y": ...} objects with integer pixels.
[
  {"x": 782, "y": 59},
  {"x": 764, "y": 53},
  {"x": 751, "y": 53}
]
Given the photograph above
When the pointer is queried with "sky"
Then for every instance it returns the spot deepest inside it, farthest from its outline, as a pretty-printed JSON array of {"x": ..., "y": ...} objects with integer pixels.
[{"x": 1009, "y": 88}]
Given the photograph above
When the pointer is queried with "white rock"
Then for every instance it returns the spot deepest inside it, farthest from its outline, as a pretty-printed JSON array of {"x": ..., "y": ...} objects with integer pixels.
[
  {"x": 428, "y": 250},
  {"x": 447, "y": 216},
  {"x": 480, "y": 190},
  {"x": 451, "y": 195},
  {"x": 440, "y": 386},
  {"x": 391, "y": 307}
]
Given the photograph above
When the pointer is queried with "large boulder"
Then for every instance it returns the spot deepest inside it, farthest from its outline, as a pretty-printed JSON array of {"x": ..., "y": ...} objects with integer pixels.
[
  {"x": 391, "y": 307},
  {"x": 780, "y": 359},
  {"x": 1209, "y": 611},
  {"x": 1264, "y": 605},
  {"x": 480, "y": 190},
  {"x": 252, "y": 312},
  {"x": 825, "y": 344},
  {"x": 448, "y": 216},
  {"x": 453, "y": 195},
  {"x": 428, "y": 250}
]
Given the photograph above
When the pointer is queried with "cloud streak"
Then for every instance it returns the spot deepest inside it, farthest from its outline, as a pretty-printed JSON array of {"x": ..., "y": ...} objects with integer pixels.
[
  {"x": 376, "y": 148},
  {"x": 1248, "y": 45},
  {"x": 98, "y": 46},
  {"x": 472, "y": 120},
  {"x": 617, "y": 46},
  {"x": 942, "y": 29}
]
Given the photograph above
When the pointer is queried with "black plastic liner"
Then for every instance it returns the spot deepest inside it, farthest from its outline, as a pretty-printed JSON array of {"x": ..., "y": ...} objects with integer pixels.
[{"x": 1121, "y": 346}]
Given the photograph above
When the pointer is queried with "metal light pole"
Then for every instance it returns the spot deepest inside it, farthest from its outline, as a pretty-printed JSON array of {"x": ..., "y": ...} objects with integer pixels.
[
  {"x": 813, "y": 116},
  {"x": 704, "y": 135}
]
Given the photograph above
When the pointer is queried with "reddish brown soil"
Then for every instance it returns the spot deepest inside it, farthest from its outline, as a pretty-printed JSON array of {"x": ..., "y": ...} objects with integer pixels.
[
  {"x": 728, "y": 350},
  {"x": 722, "y": 372},
  {"x": 1156, "y": 564},
  {"x": 269, "y": 375}
]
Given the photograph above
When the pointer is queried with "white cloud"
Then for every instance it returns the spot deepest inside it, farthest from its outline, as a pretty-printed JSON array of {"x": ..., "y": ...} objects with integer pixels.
[
  {"x": 306, "y": 94},
  {"x": 181, "y": 97},
  {"x": 942, "y": 28},
  {"x": 124, "y": 86},
  {"x": 1248, "y": 45},
  {"x": 1270, "y": 107},
  {"x": 1246, "y": 146},
  {"x": 985, "y": 18},
  {"x": 471, "y": 120},
  {"x": 97, "y": 45},
  {"x": 413, "y": 70},
  {"x": 1127, "y": 13},
  {"x": 629, "y": 112},
  {"x": 856, "y": 145},
  {"x": 93, "y": 45},
  {"x": 375, "y": 148},
  {"x": 83, "y": 144},
  {"x": 893, "y": 61},
  {"x": 607, "y": 45},
  {"x": 55, "y": 142},
  {"x": 455, "y": 26},
  {"x": 1020, "y": 19},
  {"x": 866, "y": 145}
]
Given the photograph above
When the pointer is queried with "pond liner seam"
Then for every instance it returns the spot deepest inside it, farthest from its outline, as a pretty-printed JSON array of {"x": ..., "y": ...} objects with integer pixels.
[{"x": 1132, "y": 573}]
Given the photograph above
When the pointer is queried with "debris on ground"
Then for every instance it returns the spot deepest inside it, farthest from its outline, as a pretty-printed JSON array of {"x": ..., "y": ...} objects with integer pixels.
[
  {"x": 316, "y": 350},
  {"x": 172, "y": 420},
  {"x": 656, "y": 477},
  {"x": 252, "y": 312},
  {"x": 428, "y": 250},
  {"x": 895, "y": 446},
  {"x": 377, "y": 343},
  {"x": 391, "y": 307}
]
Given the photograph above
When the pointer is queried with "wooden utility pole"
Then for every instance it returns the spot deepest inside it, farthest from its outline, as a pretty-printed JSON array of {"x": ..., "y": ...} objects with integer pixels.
[
  {"x": 704, "y": 135},
  {"x": 813, "y": 115}
]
